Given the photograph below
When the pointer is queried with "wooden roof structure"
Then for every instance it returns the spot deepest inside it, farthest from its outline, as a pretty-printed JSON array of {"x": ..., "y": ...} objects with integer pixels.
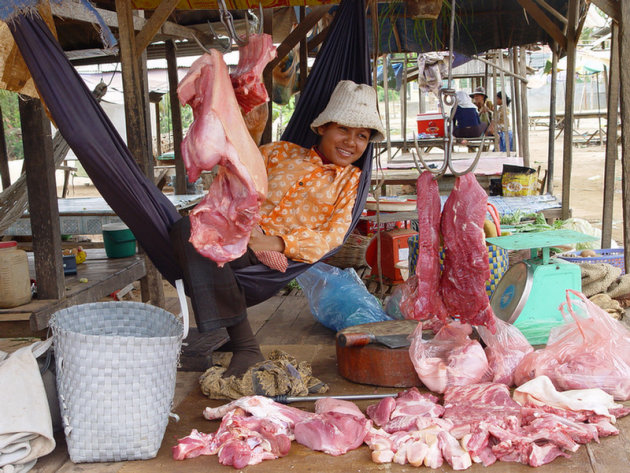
[{"x": 163, "y": 22}]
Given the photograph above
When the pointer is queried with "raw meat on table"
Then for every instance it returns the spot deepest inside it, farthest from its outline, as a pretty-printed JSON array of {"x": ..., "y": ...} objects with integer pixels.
[
  {"x": 222, "y": 222},
  {"x": 451, "y": 358},
  {"x": 466, "y": 269},
  {"x": 424, "y": 301},
  {"x": 247, "y": 78}
]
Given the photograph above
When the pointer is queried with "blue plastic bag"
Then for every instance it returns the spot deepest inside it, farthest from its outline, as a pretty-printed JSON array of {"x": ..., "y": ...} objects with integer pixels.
[{"x": 338, "y": 298}]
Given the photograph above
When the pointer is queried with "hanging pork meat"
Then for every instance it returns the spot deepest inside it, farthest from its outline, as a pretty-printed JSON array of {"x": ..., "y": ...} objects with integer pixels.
[
  {"x": 466, "y": 269},
  {"x": 222, "y": 222}
]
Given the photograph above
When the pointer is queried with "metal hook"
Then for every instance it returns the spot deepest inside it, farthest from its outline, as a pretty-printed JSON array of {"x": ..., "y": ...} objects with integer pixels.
[
  {"x": 258, "y": 20},
  {"x": 228, "y": 21}
]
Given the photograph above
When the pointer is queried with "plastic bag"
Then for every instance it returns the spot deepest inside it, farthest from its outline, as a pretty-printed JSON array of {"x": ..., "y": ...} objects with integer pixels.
[
  {"x": 338, "y": 298},
  {"x": 451, "y": 358},
  {"x": 591, "y": 350},
  {"x": 505, "y": 350}
]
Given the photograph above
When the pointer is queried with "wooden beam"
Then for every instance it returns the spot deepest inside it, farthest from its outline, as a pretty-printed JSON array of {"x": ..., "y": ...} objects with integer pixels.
[
  {"x": 176, "y": 117},
  {"x": 154, "y": 24},
  {"x": 611, "y": 138},
  {"x": 76, "y": 11},
  {"x": 544, "y": 21},
  {"x": 609, "y": 7},
  {"x": 42, "y": 198},
  {"x": 567, "y": 151},
  {"x": 268, "y": 78},
  {"x": 624, "y": 48},
  {"x": 524, "y": 106},
  {"x": 303, "y": 54},
  {"x": 297, "y": 34},
  {"x": 553, "y": 11},
  {"x": 552, "y": 118},
  {"x": 4, "y": 157}
]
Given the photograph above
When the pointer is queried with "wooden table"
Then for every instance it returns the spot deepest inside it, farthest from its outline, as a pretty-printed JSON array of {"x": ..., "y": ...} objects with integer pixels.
[
  {"x": 87, "y": 215},
  {"x": 104, "y": 276}
]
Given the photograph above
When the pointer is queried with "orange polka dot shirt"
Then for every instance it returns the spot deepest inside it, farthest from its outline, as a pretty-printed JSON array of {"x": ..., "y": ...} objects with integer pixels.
[{"x": 309, "y": 204}]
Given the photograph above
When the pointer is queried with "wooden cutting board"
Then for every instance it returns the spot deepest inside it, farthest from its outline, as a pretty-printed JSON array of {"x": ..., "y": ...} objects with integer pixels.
[{"x": 375, "y": 363}]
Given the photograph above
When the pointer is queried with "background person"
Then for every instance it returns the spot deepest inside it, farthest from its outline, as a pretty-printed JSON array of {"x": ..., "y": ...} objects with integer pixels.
[
  {"x": 466, "y": 121},
  {"x": 484, "y": 106},
  {"x": 501, "y": 121}
]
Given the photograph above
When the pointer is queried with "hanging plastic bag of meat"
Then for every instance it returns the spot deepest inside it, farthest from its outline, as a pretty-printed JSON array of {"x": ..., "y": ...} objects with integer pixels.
[
  {"x": 451, "y": 358},
  {"x": 466, "y": 269},
  {"x": 421, "y": 299},
  {"x": 222, "y": 222},
  {"x": 505, "y": 349},
  {"x": 591, "y": 350}
]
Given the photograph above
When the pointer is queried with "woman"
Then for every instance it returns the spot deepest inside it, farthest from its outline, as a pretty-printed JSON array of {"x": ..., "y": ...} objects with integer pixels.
[
  {"x": 466, "y": 120},
  {"x": 307, "y": 212},
  {"x": 501, "y": 121}
]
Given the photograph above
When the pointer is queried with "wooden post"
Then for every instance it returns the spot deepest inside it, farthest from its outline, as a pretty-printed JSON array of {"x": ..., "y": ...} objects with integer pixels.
[
  {"x": 135, "y": 119},
  {"x": 158, "y": 134},
  {"x": 303, "y": 54},
  {"x": 552, "y": 118},
  {"x": 403, "y": 106},
  {"x": 624, "y": 48},
  {"x": 506, "y": 122},
  {"x": 42, "y": 199},
  {"x": 494, "y": 101},
  {"x": 611, "y": 138},
  {"x": 268, "y": 78},
  {"x": 386, "y": 90},
  {"x": 516, "y": 102},
  {"x": 567, "y": 152},
  {"x": 524, "y": 107},
  {"x": 149, "y": 161},
  {"x": 4, "y": 157},
  {"x": 176, "y": 117}
]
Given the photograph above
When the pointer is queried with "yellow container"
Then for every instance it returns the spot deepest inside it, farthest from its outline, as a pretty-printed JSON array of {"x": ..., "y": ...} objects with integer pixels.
[{"x": 15, "y": 282}]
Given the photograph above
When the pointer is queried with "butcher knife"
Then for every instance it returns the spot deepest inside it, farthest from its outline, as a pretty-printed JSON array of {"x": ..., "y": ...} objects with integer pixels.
[{"x": 359, "y": 339}]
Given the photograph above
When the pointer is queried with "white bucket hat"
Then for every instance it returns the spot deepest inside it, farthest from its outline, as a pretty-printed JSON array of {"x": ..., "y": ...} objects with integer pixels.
[{"x": 352, "y": 105}]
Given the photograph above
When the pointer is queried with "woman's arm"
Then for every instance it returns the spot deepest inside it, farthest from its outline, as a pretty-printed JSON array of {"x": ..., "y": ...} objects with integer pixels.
[{"x": 258, "y": 241}]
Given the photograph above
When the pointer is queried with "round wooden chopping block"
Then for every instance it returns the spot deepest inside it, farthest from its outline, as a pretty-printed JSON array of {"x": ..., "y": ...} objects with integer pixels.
[{"x": 375, "y": 363}]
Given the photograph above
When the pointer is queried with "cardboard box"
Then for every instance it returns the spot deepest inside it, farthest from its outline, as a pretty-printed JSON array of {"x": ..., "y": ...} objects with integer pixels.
[{"x": 430, "y": 124}]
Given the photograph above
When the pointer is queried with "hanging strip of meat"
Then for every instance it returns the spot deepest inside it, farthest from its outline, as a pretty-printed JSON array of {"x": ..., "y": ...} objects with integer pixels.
[{"x": 466, "y": 269}]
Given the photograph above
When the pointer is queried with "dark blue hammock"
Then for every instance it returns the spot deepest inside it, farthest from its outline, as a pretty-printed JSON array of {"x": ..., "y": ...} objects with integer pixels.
[{"x": 111, "y": 167}]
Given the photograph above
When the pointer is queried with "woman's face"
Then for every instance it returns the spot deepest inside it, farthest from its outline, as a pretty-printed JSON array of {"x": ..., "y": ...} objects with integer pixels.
[
  {"x": 342, "y": 145},
  {"x": 499, "y": 100}
]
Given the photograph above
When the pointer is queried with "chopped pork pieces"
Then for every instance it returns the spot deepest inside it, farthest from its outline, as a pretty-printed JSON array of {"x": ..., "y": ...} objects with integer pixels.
[{"x": 476, "y": 423}]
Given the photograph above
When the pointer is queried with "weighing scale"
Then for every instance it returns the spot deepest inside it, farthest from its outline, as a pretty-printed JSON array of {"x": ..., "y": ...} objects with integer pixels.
[{"x": 530, "y": 292}]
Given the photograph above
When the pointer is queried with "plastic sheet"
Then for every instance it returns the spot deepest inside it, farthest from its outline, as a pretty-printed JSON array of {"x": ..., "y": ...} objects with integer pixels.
[
  {"x": 591, "y": 350},
  {"x": 451, "y": 358},
  {"x": 338, "y": 298},
  {"x": 505, "y": 349}
]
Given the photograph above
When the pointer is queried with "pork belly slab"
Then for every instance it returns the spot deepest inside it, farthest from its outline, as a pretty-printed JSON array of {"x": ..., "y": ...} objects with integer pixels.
[{"x": 222, "y": 222}]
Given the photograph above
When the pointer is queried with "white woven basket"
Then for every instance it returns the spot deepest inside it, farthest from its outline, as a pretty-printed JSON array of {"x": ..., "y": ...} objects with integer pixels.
[{"x": 116, "y": 367}]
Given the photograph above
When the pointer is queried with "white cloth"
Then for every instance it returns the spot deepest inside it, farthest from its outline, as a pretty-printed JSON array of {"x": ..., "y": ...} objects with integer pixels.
[
  {"x": 432, "y": 67},
  {"x": 463, "y": 100},
  {"x": 26, "y": 431}
]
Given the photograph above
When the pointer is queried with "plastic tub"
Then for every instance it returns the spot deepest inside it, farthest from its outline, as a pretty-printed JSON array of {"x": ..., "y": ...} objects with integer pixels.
[{"x": 119, "y": 240}]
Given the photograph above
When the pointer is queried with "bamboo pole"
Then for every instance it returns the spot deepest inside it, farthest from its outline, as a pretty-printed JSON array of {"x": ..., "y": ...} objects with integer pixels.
[
  {"x": 506, "y": 124},
  {"x": 516, "y": 103},
  {"x": 567, "y": 158},
  {"x": 552, "y": 118},
  {"x": 494, "y": 101},
  {"x": 524, "y": 106}
]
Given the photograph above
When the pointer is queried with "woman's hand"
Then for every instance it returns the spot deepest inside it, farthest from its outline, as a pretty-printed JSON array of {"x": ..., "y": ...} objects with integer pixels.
[{"x": 258, "y": 241}]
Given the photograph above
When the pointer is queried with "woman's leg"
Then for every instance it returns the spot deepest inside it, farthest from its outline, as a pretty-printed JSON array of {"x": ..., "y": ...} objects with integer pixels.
[{"x": 216, "y": 297}]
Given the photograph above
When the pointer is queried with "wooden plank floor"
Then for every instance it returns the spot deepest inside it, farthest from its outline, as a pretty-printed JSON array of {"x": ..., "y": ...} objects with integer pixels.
[{"x": 285, "y": 322}]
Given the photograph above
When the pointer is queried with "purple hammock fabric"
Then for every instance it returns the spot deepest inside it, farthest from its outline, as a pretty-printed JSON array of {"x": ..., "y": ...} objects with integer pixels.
[{"x": 135, "y": 199}]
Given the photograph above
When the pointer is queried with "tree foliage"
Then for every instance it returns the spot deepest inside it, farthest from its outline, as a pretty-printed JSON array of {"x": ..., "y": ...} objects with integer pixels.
[{"x": 11, "y": 122}]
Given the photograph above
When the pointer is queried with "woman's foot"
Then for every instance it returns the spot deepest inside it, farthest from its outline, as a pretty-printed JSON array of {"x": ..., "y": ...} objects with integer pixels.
[
  {"x": 245, "y": 349},
  {"x": 242, "y": 361}
]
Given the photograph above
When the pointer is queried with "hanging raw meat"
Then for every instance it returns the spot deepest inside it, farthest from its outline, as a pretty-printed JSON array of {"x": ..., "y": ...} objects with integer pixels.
[
  {"x": 466, "y": 270},
  {"x": 425, "y": 301},
  {"x": 223, "y": 220},
  {"x": 247, "y": 77}
]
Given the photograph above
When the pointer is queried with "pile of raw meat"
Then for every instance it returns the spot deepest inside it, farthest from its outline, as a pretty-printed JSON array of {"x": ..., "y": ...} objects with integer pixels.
[
  {"x": 222, "y": 222},
  {"x": 460, "y": 290},
  {"x": 477, "y": 423}
]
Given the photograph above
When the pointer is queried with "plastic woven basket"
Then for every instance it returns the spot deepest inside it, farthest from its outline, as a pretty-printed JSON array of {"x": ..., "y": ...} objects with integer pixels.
[
  {"x": 116, "y": 366},
  {"x": 613, "y": 256}
]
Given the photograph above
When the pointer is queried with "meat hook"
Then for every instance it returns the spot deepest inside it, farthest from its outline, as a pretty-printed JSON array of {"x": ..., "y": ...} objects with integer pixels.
[
  {"x": 228, "y": 22},
  {"x": 220, "y": 47},
  {"x": 284, "y": 399}
]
